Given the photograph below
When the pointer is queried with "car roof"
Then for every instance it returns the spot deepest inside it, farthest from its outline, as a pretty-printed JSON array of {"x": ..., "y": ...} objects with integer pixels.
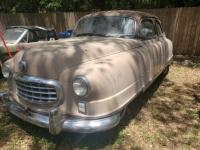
[{"x": 124, "y": 13}]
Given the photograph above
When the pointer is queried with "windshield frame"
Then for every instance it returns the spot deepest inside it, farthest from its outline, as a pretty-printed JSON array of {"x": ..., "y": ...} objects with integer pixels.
[
  {"x": 121, "y": 16},
  {"x": 20, "y": 37}
]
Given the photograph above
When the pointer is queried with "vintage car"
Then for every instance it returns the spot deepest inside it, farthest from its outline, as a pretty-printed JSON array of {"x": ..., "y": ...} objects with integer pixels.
[
  {"x": 84, "y": 83},
  {"x": 15, "y": 35}
]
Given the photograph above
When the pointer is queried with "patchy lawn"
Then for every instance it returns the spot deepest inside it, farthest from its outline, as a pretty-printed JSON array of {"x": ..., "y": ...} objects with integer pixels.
[{"x": 166, "y": 116}]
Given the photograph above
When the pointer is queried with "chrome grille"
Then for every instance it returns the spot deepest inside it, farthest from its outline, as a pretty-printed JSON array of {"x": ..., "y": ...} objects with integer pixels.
[{"x": 36, "y": 90}]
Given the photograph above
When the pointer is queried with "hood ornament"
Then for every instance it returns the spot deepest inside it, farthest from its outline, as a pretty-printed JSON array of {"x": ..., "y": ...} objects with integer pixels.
[{"x": 23, "y": 66}]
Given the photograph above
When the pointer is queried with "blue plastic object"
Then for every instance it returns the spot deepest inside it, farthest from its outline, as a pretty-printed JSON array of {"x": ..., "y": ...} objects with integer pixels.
[{"x": 65, "y": 34}]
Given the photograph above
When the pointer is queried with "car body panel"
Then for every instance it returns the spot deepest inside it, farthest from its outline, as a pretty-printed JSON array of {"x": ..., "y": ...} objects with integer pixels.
[{"x": 103, "y": 65}]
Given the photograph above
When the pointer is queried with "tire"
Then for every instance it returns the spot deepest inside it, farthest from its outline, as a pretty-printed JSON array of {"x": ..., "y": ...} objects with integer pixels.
[
  {"x": 165, "y": 71},
  {"x": 1, "y": 75},
  {"x": 123, "y": 112}
]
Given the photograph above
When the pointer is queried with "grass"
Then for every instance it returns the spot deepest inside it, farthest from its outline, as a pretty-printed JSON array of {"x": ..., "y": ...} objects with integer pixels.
[{"x": 166, "y": 116}]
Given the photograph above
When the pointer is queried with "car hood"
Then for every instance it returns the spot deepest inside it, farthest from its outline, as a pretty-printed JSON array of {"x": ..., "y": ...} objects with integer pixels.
[{"x": 51, "y": 58}]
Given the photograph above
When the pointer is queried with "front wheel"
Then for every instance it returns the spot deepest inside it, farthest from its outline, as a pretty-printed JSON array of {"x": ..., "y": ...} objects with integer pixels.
[
  {"x": 122, "y": 113},
  {"x": 166, "y": 70},
  {"x": 1, "y": 75}
]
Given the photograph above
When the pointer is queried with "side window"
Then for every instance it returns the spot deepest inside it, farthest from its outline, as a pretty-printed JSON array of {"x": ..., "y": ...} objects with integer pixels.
[
  {"x": 24, "y": 39},
  {"x": 147, "y": 29},
  {"x": 32, "y": 37},
  {"x": 158, "y": 28}
]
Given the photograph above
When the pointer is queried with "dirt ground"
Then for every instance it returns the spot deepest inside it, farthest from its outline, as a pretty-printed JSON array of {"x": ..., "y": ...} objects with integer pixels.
[{"x": 166, "y": 116}]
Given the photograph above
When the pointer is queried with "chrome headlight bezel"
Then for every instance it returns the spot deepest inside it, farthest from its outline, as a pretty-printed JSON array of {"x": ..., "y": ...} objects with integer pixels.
[
  {"x": 6, "y": 70},
  {"x": 23, "y": 66},
  {"x": 81, "y": 86}
]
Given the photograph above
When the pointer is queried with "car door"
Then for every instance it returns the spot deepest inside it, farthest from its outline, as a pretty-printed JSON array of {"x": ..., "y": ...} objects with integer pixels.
[{"x": 148, "y": 35}]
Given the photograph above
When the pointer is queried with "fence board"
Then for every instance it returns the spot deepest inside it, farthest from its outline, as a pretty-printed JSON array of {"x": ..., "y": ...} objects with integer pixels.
[{"x": 181, "y": 25}]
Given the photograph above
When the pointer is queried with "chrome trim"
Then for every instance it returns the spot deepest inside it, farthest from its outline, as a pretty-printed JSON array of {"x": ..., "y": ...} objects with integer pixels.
[
  {"x": 36, "y": 97},
  {"x": 37, "y": 91},
  {"x": 91, "y": 126},
  {"x": 35, "y": 87},
  {"x": 55, "y": 86},
  {"x": 23, "y": 66},
  {"x": 56, "y": 122},
  {"x": 86, "y": 81}
]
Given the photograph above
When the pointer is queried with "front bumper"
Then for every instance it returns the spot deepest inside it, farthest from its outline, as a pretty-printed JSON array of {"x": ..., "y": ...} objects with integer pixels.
[{"x": 56, "y": 122}]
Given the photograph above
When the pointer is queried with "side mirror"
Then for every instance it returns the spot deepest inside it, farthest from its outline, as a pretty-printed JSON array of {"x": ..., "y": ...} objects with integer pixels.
[{"x": 164, "y": 34}]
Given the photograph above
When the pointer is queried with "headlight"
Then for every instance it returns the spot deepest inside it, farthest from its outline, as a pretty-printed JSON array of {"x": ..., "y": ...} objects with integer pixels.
[
  {"x": 6, "y": 71},
  {"x": 81, "y": 86}
]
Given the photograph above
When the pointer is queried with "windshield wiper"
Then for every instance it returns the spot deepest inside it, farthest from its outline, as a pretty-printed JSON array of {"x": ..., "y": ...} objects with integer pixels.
[{"x": 90, "y": 34}]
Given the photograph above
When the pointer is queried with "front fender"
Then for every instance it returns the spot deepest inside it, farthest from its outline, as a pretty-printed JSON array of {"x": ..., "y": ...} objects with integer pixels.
[{"x": 114, "y": 81}]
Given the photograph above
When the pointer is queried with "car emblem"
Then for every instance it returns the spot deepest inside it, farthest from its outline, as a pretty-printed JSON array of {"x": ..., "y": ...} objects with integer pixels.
[{"x": 22, "y": 66}]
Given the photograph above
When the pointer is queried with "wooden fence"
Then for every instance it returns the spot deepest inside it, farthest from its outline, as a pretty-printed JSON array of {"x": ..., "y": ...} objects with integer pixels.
[{"x": 181, "y": 25}]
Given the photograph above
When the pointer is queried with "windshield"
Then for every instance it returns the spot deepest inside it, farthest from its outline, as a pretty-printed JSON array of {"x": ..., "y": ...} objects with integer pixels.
[
  {"x": 106, "y": 26},
  {"x": 12, "y": 35}
]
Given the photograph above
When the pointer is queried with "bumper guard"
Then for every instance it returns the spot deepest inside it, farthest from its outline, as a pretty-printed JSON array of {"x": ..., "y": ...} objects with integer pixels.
[{"x": 56, "y": 122}]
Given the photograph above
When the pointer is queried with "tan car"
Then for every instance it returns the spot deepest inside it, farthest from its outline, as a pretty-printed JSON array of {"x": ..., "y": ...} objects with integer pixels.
[{"x": 84, "y": 84}]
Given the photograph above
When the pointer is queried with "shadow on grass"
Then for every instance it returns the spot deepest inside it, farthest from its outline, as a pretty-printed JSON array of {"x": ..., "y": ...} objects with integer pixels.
[
  {"x": 185, "y": 96},
  {"x": 76, "y": 140},
  {"x": 178, "y": 109}
]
